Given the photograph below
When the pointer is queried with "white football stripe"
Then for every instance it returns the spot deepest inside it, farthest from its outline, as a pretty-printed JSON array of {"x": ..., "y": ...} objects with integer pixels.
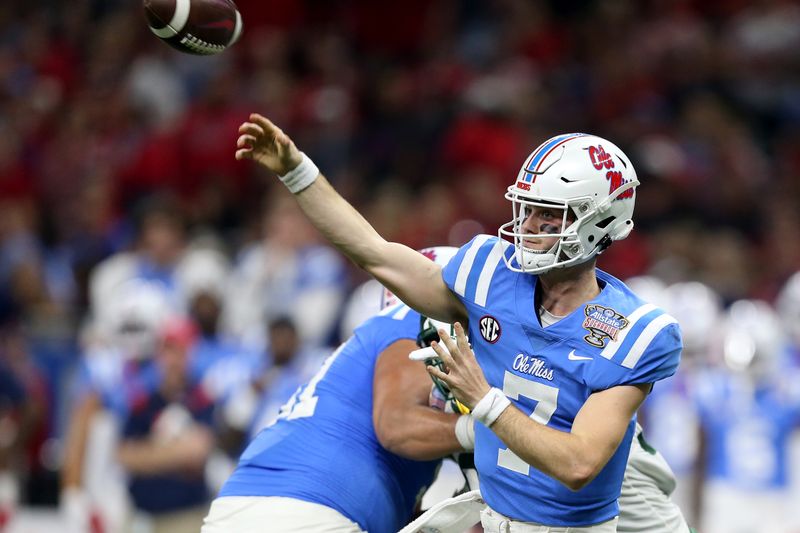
[
  {"x": 466, "y": 264},
  {"x": 489, "y": 268},
  {"x": 178, "y": 21},
  {"x": 611, "y": 350},
  {"x": 644, "y": 340},
  {"x": 237, "y": 30},
  {"x": 401, "y": 314}
]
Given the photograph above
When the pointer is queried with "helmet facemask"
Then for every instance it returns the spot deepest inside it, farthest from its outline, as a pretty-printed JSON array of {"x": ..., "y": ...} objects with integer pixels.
[
  {"x": 585, "y": 232},
  {"x": 429, "y": 332}
]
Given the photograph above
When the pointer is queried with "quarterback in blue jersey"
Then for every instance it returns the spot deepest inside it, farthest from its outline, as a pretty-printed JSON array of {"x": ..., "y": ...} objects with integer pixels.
[
  {"x": 336, "y": 459},
  {"x": 562, "y": 354}
]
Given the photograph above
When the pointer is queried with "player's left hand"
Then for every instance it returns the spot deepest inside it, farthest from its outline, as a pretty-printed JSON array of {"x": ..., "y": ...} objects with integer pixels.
[{"x": 464, "y": 377}]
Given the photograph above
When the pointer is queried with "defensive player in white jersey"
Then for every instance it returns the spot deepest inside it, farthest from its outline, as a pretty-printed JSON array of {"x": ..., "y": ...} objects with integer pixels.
[{"x": 565, "y": 353}]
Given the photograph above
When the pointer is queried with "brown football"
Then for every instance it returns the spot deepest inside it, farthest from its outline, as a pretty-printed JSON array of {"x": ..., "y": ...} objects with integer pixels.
[{"x": 201, "y": 27}]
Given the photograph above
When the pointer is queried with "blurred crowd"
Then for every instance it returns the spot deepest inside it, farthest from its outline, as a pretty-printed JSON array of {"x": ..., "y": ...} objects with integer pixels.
[{"x": 159, "y": 300}]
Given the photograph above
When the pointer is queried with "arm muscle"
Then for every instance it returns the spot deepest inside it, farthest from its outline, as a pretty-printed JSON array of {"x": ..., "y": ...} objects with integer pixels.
[
  {"x": 574, "y": 457},
  {"x": 415, "y": 279},
  {"x": 404, "y": 423}
]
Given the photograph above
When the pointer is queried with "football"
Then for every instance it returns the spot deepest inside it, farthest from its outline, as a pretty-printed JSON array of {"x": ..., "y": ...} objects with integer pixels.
[{"x": 201, "y": 27}]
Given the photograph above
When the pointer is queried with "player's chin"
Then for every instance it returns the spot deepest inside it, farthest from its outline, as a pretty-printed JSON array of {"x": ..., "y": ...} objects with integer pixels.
[{"x": 534, "y": 247}]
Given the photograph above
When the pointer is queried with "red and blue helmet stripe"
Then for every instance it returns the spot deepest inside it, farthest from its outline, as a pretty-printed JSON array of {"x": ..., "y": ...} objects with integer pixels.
[{"x": 541, "y": 153}]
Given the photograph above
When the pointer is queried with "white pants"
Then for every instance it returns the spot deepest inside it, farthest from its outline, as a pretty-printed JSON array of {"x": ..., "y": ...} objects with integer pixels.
[
  {"x": 494, "y": 522},
  {"x": 273, "y": 514},
  {"x": 645, "y": 505},
  {"x": 731, "y": 510}
]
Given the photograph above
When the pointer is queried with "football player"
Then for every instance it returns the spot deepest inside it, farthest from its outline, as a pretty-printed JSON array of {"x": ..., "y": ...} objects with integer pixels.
[
  {"x": 670, "y": 413},
  {"x": 565, "y": 352},
  {"x": 645, "y": 502},
  {"x": 94, "y": 494},
  {"x": 749, "y": 407},
  {"x": 336, "y": 459}
]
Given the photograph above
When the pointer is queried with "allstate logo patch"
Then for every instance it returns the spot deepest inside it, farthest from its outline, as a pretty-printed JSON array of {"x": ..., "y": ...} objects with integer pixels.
[
  {"x": 490, "y": 328},
  {"x": 603, "y": 323}
]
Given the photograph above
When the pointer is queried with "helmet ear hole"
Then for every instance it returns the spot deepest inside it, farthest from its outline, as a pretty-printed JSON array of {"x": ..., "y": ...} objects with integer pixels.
[
  {"x": 621, "y": 229},
  {"x": 605, "y": 222}
]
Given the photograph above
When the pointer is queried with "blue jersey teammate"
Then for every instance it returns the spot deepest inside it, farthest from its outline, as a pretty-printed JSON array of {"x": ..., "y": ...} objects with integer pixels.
[
  {"x": 336, "y": 460},
  {"x": 565, "y": 353}
]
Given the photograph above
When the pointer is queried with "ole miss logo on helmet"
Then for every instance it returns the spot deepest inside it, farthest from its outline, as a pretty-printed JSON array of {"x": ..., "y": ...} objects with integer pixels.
[
  {"x": 603, "y": 160},
  {"x": 600, "y": 158}
]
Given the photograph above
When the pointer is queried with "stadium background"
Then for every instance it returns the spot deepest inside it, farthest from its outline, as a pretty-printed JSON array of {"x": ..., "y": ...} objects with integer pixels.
[{"x": 419, "y": 112}]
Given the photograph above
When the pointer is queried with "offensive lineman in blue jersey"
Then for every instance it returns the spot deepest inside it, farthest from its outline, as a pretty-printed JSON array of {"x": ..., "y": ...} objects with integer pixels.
[
  {"x": 335, "y": 459},
  {"x": 565, "y": 353}
]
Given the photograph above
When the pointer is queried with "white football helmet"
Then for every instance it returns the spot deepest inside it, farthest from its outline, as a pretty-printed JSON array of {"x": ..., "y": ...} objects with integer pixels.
[
  {"x": 132, "y": 318},
  {"x": 594, "y": 183},
  {"x": 650, "y": 289},
  {"x": 698, "y": 310}
]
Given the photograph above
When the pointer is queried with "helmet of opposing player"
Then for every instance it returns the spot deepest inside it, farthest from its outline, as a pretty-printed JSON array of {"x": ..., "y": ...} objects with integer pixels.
[
  {"x": 429, "y": 332},
  {"x": 591, "y": 181}
]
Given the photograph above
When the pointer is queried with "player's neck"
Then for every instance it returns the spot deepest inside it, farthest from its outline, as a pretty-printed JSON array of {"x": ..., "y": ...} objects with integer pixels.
[{"x": 564, "y": 290}]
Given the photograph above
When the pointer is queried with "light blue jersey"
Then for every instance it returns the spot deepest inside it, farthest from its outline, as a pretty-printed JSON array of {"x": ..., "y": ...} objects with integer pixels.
[
  {"x": 614, "y": 339},
  {"x": 323, "y": 448},
  {"x": 672, "y": 419},
  {"x": 748, "y": 427}
]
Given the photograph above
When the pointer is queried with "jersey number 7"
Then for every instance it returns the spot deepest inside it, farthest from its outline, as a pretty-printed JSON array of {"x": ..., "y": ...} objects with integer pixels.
[{"x": 547, "y": 400}]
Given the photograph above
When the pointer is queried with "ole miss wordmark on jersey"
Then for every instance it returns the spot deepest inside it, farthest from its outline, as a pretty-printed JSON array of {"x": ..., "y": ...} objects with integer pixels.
[
  {"x": 323, "y": 448},
  {"x": 550, "y": 372}
]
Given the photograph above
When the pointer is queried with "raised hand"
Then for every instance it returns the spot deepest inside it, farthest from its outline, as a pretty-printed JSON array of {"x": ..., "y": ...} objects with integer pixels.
[
  {"x": 264, "y": 142},
  {"x": 464, "y": 377}
]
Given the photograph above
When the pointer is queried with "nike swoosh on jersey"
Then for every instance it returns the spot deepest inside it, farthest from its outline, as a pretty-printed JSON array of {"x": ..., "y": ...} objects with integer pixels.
[{"x": 573, "y": 357}]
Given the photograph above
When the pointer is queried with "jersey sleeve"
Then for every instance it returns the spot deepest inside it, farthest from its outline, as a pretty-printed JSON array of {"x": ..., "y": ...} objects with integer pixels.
[
  {"x": 661, "y": 358},
  {"x": 651, "y": 354},
  {"x": 390, "y": 325},
  {"x": 469, "y": 273}
]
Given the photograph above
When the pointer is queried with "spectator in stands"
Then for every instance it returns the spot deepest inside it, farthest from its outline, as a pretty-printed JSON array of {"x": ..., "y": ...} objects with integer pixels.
[
  {"x": 167, "y": 439},
  {"x": 286, "y": 274},
  {"x": 285, "y": 365},
  {"x": 21, "y": 414}
]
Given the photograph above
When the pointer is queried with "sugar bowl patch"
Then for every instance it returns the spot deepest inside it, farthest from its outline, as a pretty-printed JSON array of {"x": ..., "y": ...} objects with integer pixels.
[{"x": 602, "y": 323}]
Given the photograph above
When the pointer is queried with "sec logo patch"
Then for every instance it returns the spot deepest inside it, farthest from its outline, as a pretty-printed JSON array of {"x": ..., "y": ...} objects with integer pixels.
[{"x": 490, "y": 329}]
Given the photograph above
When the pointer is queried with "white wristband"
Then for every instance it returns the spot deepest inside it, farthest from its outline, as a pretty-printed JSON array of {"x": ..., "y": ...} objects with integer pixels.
[
  {"x": 490, "y": 407},
  {"x": 300, "y": 176},
  {"x": 465, "y": 432}
]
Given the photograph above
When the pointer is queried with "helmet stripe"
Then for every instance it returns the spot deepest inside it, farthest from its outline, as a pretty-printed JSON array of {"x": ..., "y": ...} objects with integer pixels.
[
  {"x": 547, "y": 150},
  {"x": 543, "y": 151}
]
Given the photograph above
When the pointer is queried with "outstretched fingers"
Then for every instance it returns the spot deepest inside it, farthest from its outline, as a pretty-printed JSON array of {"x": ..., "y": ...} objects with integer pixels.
[
  {"x": 461, "y": 340},
  {"x": 245, "y": 141},
  {"x": 249, "y": 128},
  {"x": 244, "y": 153},
  {"x": 435, "y": 372},
  {"x": 265, "y": 124},
  {"x": 451, "y": 345}
]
